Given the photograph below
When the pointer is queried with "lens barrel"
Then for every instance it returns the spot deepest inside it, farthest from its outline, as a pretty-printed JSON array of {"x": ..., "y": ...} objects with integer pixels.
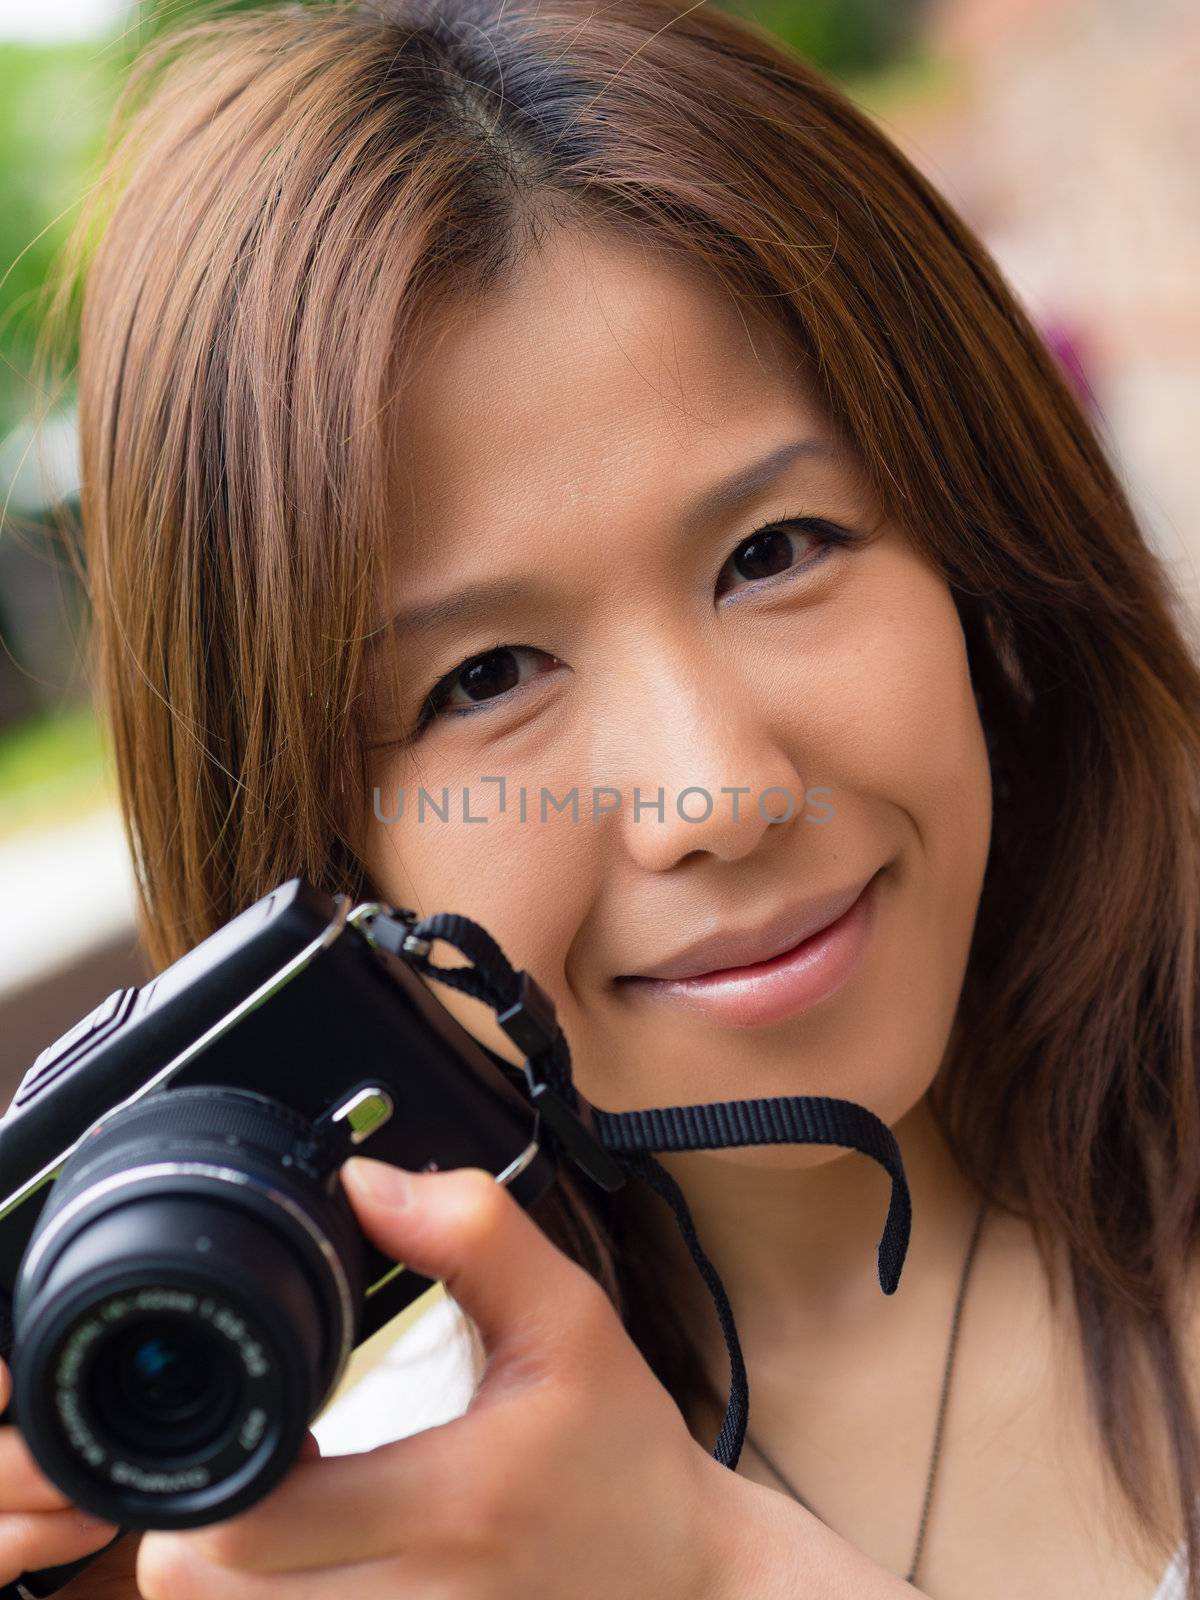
[{"x": 185, "y": 1308}]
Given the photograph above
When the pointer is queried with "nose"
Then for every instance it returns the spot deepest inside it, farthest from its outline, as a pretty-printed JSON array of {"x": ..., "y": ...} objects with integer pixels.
[{"x": 702, "y": 770}]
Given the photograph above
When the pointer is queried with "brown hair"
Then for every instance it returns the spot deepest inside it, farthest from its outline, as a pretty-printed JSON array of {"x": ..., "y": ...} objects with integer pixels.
[{"x": 291, "y": 197}]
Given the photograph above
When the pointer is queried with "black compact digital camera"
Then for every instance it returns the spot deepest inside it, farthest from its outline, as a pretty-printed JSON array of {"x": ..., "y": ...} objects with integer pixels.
[{"x": 182, "y": 1280}]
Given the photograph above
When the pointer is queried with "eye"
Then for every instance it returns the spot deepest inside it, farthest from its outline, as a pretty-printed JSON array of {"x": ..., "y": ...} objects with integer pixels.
[
  {"x": 482, "y": 680},
  {"x": 770, "y": 552},
  {"x": 768, "y": 555}
]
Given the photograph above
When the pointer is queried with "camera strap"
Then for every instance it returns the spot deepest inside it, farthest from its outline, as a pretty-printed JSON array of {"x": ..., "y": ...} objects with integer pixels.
[{"x": 607, "y": 1145}]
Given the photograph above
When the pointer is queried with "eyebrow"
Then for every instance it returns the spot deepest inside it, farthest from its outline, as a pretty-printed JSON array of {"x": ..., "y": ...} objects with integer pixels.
[{"x": 740, "y": 486}]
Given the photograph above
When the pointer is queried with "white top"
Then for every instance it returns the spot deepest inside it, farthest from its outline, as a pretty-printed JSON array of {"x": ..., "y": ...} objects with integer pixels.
[
  {"x": 420, "y": 1370},
  {"x": 1173, "y": 1585},
  {"x": 423, "y": 1368}
]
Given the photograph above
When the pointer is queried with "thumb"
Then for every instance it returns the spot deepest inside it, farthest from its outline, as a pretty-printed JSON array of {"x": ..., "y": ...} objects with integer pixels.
[{"x": 464, "y": 1228}]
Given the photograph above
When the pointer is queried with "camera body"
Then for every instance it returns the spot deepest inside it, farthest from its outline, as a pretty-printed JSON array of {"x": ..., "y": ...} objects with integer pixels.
[{"x": 182, "y": 1272}]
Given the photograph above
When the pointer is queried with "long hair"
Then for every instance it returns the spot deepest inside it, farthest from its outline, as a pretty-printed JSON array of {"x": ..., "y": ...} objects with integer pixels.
[{"x": 290, "y": 199}]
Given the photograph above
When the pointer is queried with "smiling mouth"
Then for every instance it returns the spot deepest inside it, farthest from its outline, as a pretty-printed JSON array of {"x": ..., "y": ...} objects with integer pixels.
[
  {"x": 775, "y": 989},
  {"x": 730, "y": 951}
]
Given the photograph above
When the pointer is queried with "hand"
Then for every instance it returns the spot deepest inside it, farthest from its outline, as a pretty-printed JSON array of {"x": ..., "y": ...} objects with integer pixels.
[
  {"x": 572, "y": 1473},
  {"x": 39, "y": 1527}
]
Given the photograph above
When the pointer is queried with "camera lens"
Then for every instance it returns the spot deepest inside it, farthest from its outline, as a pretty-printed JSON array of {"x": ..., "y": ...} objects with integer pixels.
[
  {"x": 165, "y": 1387},
  {"x": 175, "y": 1380},
  {"x": 185, "y": 1307}
]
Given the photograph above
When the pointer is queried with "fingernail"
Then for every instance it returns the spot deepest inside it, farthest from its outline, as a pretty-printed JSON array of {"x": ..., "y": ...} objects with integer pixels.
[
  {"x": 90, "y": 1524},
  {"x": 379, "y": 1180}
]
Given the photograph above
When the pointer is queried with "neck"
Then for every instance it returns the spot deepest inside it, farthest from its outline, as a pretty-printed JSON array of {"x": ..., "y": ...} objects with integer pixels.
[{"x": 796, "y": 1246}]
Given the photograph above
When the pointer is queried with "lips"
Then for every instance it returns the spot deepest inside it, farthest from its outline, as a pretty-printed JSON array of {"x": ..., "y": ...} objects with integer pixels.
[
  {"x": 732, "y": 949},
  {"x": 778, "y": 989}
]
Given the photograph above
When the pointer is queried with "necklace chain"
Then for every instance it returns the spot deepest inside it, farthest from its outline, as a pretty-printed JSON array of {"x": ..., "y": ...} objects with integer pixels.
[{"x": 935, "y": 1455}]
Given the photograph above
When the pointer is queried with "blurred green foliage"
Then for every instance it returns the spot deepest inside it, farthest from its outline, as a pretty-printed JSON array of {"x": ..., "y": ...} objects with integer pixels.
[
  {"x": 52, "y": 767},
  {"x": 847, "y": 38},
  {"x": 53, "y": 103}
]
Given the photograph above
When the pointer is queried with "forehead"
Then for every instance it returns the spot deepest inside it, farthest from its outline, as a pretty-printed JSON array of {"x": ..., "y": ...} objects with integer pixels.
[{"x": 602, "y": 376}]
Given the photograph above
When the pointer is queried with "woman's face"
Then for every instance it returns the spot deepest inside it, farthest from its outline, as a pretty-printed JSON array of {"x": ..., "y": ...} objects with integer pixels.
[{"x": 558, "y": 447}]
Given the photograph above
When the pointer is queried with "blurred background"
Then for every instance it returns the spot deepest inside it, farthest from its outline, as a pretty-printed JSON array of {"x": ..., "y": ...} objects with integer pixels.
[{"x": 1066, "y": 131}]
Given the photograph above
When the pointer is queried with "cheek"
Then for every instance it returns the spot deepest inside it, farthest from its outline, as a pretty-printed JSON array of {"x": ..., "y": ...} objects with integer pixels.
[
  {"x": 892, "y": 713},
  {"x": 526, "y": 882},
  {"x": 910, "y": 748},
  {"x": 941, "y": 777}
]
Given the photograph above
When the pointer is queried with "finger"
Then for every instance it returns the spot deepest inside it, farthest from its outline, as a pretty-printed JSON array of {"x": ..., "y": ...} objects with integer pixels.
[
  {"x": 23, "y": 1485},
  {"x": 466, "y": 1229},
  {"x": 310, "y": 1450},
  {"x": 30, "y": 1541},
  {"x": 364, "y": 1507},
  {"x": 167, "y": 1571}
]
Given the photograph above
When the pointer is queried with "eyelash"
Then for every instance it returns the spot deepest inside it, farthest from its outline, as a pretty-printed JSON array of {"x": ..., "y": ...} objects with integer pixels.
[{"x": 830, "y": 535}]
